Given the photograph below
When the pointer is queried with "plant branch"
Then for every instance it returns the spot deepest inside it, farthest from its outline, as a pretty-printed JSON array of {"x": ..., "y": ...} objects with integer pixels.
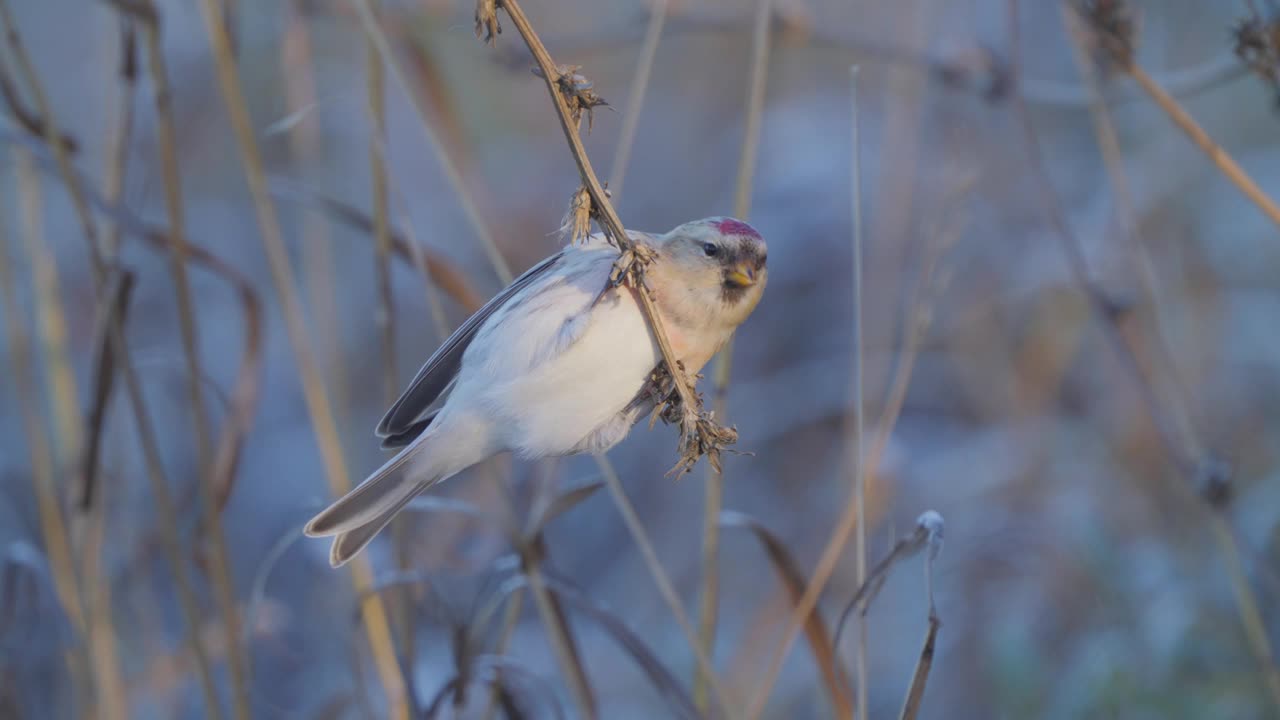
[
  {"x": 373, "y": 610},
  {"x": 714, "y": 495},
  {"x": 699, "y": 433}
]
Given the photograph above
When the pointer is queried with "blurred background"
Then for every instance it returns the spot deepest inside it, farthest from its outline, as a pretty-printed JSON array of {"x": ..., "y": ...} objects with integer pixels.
[{"x": 1101, "y": 438}]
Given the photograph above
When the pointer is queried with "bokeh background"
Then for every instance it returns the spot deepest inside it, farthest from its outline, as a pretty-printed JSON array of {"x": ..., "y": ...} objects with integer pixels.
[{"x": 1095, "y": 565}]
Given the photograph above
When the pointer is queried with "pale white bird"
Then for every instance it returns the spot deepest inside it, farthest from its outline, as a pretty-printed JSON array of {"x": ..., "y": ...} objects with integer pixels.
[{"x": 557, "y": 364}]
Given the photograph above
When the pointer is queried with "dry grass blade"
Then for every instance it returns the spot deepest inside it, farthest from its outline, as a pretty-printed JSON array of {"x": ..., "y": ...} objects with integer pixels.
[
  {"x": 858, "y": 425},
  {"x": 635, "y": 103},
  {"x": 224, "y": 588},
  {"x": 931, "y": 522},
  {"x": 379, "y": 40},
  {"x": 244, "y": 394},
  {"x": 917, "y": 324},
  {"x": 709, "y": 599},
  {"x": 48, "y": 505},
  {"x": 661, "y": 579},
  {"x": 433, "y": 265},
  {"x": 111, "y": 310},
  {"x": 678, "y": 700},
  {"x": 376, "y": 623},
  {"x": 563, "y": 503},
  {"x": 926, "y": 530},
  {"x": 920, "y": 676},
  {"x": 825, "y": 655}
]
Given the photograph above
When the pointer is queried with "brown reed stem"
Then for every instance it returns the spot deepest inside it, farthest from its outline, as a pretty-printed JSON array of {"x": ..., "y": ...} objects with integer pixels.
[
  {"x": 373, "y": 610},
  {"x": 41, "y": 450},
  {"x": 713, "y": 500},
  {"x": 635, "y": 103},
  {"x": 224, "y": 587}
]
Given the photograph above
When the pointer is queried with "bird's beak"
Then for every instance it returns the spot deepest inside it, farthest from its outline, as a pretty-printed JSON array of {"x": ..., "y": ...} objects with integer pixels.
[{"x": 741, "y": 276}]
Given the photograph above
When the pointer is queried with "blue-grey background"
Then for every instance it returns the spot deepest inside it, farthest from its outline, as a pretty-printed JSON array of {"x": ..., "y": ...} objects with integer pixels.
[{"x": 1081, "y": 576}]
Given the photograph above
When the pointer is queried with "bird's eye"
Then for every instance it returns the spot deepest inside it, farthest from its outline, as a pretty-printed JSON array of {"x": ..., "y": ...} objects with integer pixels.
[{"x": 710, "y": 249}]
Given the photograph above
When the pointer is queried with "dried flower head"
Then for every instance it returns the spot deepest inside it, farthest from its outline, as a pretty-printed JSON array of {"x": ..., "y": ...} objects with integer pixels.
[
  {"x": 1258, "y": 47},
  {"x": 1113, "y": 30},
  {"x": 578, "y": 91}
]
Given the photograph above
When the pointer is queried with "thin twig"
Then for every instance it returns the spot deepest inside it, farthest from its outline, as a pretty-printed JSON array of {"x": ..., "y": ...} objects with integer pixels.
[
  {"x": 41, "y": 451},
  {"x": 714, "y": 495},
  {"x": 372, "y": 609},
  {"x": 635, "y": 103},
  {"x": 379, "y": 39},
  {"x": 917, "y": 324},
  {"x": 660, "y": 578},
  {"x": 862, "y": 687},
  {"x": 699, "y": 433},
  {"x": 1191, "y": 462},
  {"x": 931, "y": 523},
  {"x": 224, "y": 587},
  {"x": 306, "y": 147}
]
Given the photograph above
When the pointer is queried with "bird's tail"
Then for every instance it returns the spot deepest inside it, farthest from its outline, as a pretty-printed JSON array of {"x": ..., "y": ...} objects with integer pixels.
[{"x": 358, "y": 516}]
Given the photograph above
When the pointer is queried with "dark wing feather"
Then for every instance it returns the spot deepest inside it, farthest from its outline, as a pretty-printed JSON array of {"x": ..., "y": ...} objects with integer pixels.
[{"x": 405, "y": 420}]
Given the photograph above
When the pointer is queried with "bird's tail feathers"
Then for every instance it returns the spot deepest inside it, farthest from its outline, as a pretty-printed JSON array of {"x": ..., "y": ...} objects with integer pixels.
[{"x": 358, "y": 516}]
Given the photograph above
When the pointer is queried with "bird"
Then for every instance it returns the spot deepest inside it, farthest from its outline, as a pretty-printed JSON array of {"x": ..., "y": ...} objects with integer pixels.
[{"x": 560, "y": 362}]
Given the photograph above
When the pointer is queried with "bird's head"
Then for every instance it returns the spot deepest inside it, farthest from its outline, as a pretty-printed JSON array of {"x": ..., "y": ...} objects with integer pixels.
[{"x": 723, "y": 261}]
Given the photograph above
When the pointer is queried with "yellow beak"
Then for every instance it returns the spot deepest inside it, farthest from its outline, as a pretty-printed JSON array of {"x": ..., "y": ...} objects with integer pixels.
[{"x": 741, "y": 276}]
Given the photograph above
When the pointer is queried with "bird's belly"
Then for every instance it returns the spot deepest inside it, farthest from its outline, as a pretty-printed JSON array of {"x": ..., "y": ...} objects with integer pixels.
[{"x": 556, "y": 406}]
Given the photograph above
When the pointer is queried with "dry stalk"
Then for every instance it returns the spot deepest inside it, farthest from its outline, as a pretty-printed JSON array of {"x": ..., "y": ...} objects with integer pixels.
[
  {"x": 48, "y": 504},
  {"x": 699, "y": 433},
  {"x": 918, "y": 321},
  {"x": 373, "y": 611},
  {"x": 635, "y": 103},
  {"x": 714, "y": 497},
  {"x": 306, "y": 145},
  {"x": 1203, "y": 472},
  {"x": 1113, "y": 34},
  {"x": 454, "y": 176},
  {"x": 862, "y": 687},
  {"x": 119, "y": 348},
  {"x": 178, "y": 256}
]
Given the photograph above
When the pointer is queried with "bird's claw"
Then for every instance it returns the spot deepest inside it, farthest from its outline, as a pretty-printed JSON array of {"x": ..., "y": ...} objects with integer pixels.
[{"x": 630, "y": 265}]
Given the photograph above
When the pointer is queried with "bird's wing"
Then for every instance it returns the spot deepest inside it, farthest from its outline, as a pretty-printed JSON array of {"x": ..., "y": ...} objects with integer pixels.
[{"x": 410, "y": 414}]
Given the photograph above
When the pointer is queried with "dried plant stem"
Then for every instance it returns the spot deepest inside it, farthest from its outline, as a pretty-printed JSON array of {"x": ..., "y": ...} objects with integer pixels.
[
  {"x": 660, "y": 578},
  {"x": 178, "y": 564},
  {"x": 918, "y": 319},
  {"x": 1109, "y": 144},
  {"x": 1255, "y": 628},
  {"x": 384, "y": 315},
  {"x": 713, "y": 501},
  {"x": 635, "y": 103},
  {"x": 119, "y": 349},
  {"x": 1187, "y": 458},
  {"x": 379, "y": 40},
  {"x": 48, "y": 506},
  {"x": 862, "y": 687},
  {"x": 372, "y": 609},
  {"x": 224, "y": 588},
  {"x": 112, "y": 697},
  {"x": 306, "y": 145},
  {"x": 608, "y": 218},
  {"x": 920, "y": 676},
  {"x": 1220, "y": 157}
]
